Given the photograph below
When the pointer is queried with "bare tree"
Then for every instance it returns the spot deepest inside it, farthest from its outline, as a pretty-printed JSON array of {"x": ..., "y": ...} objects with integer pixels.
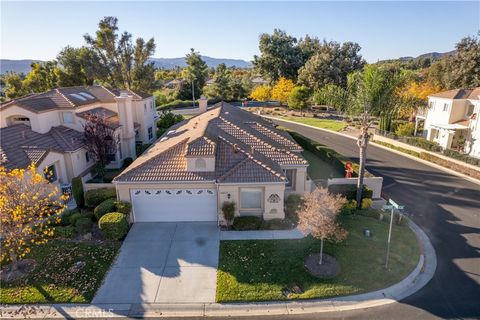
[
  {"x": 318, "y": 216},
  {"x": 100, "y": 140}
]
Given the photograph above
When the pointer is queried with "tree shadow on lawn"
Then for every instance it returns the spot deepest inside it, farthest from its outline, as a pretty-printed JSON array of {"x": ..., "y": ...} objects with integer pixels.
[{"x": 261, "y": 270}]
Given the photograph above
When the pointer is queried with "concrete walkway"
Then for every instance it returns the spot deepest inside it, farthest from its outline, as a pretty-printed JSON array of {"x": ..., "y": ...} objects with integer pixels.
[
  {"x": 411, "y": 284},
  {"x": 261, "y": 235},
  {"x": 164, "y": 263}
]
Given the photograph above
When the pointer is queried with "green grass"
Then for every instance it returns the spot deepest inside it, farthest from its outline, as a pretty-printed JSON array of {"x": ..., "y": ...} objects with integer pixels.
[
  {"x": 55, "y": 278},
  {"x": 260, "y": 270},
  {"x": 319, "y": 169},
  {"x": 328, "y": 124},
  {"x": 394, "y": 147}
]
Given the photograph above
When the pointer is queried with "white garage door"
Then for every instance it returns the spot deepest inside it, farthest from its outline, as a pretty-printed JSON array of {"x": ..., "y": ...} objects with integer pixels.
[{"x": 167, "y": 205}]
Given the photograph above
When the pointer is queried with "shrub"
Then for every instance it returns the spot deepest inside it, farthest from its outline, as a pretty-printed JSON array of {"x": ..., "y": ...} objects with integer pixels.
[
  {"x": 375, "y": 214},
  {"x": 228, "y": 210},
  {"x": 349, "y": 191},
  {"x": 126, "y": 162},
  {"x": 64, "y": 232},
  {"x": 247, "y": 223},
  {"x": 83, "y": 225},
  {"x": 451, "y": 165},
  {"x": 277, "y": 224},
  {"x": 104, "y": 208},
  {"x": 65, "y": 217},
  {"x": 462, "y": 157},
  {"x": 94, "y": 197},
  {"x": 87, "y": 213},
  {"x": 423, "y": 143},
  {"x": 77, "y": 191},
  {"x": 350, "y": 207},
  {"x": 292, "y": 204},
  {"x": 367, "y": 203},
  {"x": 75, "y": 217},
  {"x": 114, "y": 225},
  {"x": 123, "y": 207},
  {"x": 405, "y": 129}
]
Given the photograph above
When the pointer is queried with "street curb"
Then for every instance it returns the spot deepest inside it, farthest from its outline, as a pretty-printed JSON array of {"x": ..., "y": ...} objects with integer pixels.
[
  {"x": 418, "y": 278},
  {"x": 428, "y": 163}
]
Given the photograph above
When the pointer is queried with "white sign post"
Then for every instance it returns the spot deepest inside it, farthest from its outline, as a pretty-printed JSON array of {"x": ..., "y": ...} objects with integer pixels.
[{"x": 391, "y": 206}]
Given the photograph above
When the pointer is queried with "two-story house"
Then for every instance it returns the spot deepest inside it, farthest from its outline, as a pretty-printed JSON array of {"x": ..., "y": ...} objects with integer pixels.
[
  {"x": 452, "y": 120},
  {"x": 47, "y": 128}
]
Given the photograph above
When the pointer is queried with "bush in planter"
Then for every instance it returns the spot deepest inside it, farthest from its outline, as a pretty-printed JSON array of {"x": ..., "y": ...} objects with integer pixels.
[
  {"x": 114, "y": 225},
  {"x": 277, "y": 224},
  {"x": 123, "y": 207},
  {"x": 65, "y": 217},
  {"x": 228, "y": 210},
  {"x": 77, "y": 191},
  {"x": 247, "y": 223},
  {"x": 75, "y": 217},
  {"x": 349, "y": 191},
  {"x": 350, "y": 207},
  {"x": 405, "y": 129},
  {"x": 104, "y": 208},
  {"x": 94, "y": 197},
  {"x": 366, "y": 203},
  {"x": 83, "y": 225},
  {"x": 292, "y": 204},
  {"x": 64, "y": 232}
]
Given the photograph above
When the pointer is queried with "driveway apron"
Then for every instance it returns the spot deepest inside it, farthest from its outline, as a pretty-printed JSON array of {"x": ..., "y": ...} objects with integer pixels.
[{"x": 164, "y": 263}]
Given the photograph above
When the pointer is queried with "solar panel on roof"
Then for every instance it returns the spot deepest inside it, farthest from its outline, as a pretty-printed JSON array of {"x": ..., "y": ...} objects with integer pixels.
[
  {"x": 77, "y": 96},
  {"x": 86, "y": 95}
]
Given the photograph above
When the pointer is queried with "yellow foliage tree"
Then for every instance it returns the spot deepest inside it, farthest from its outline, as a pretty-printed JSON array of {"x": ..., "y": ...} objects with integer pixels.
[
  {"x": 261, "y": 93},
  {"x": 415, "y": 95},
  {"x": 282, "y": 89},
  {"x": 29, "y": 205}
]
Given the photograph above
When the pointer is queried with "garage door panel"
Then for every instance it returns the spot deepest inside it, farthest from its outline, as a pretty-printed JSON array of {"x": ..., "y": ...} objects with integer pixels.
[{"x": 163, "y": 205}]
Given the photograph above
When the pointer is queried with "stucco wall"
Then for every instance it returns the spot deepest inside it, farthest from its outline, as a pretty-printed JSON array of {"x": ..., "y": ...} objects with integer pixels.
[
  {"x": 39, "y": 122},
  {"x": 209, "y": 164},
  {"x": 271, "y": 210},
  {"x": 59, "y": 161}
]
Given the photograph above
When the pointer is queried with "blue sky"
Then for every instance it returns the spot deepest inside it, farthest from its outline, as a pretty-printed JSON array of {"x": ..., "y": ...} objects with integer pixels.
[{"x": 38, "y": 30}]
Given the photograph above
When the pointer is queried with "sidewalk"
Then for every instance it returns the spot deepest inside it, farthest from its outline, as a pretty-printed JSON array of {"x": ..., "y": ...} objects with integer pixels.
[
  {"x": 261, "y": 235},
  {"x": 418, "y": 278}
]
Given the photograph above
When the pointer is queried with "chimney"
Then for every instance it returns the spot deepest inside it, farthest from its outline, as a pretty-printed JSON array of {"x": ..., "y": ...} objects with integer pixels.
[{"x": 202, "y": 104}]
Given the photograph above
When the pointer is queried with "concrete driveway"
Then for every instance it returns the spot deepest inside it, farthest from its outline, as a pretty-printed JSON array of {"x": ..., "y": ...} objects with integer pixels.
[{"x": 164, "y": 263}]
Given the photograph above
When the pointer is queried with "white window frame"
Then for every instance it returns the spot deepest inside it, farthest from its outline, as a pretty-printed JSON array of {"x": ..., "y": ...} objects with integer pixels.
[{"x": 255, "y": 209}]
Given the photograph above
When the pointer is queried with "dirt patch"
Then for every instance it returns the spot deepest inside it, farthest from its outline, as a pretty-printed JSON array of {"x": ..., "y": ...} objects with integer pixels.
[
  {"x": 24, "y": 268},
  {"x": 328, "y": 269}
]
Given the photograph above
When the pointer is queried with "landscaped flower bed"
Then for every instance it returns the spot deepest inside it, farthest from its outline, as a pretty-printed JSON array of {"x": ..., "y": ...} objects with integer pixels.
[{"x": 274, "y": 269}]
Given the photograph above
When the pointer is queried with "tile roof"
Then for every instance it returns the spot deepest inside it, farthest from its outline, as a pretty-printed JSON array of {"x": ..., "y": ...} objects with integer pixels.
[
  {"x": 20, "y": 145},
  {"x": 459, "y": 94},
  {"x": 111, "y": 117},
  {"x": 247, "y": 148},
  {"x": 69, "y": 98}
]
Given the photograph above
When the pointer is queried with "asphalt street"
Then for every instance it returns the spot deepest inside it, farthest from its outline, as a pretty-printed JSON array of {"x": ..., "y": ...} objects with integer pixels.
[{"x": 447, "y": 208}]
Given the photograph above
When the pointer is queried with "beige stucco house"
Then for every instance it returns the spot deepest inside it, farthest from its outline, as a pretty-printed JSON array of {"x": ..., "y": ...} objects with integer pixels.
[
  {"x": 224, "y": 154},
  {"x": 47, "y": 128}
]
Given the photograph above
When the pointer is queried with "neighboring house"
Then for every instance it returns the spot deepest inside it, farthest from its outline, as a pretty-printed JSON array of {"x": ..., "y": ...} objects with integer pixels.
[
  {"x": 175, "y": 83},
  {"x": 258, "y": 81},
  {"x": 452, "y": 120},
  {"x": 223, "y": 154},
  {"x": 47, "y": 128}
]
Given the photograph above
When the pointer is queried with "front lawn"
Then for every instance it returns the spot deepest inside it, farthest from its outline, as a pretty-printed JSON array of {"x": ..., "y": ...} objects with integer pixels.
[
  {"x": 319, "y": 169},
  {"x": 328, "y": 124},
  {"x": 57, "y": 279},
  {"x": 261, "y": 269}
]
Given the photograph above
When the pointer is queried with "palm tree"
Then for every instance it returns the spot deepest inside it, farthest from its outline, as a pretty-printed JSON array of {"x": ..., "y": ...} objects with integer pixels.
[{"x": 371, "y": 94}]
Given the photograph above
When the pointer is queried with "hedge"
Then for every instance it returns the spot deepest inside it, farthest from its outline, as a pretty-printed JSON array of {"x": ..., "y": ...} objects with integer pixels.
[
  {"x": 450, "y": 165},
  {"x": 64, "y": 232},
  {"x": 247, "y": 223},
  {"x": 104, "y": 208},
  {"x": 461, "y": 157},
  {"x": 83, "y": 225},
  {"x": 330, "y": 156},
  {"x": 77, "y": 191},
  {"x": 349, "y": 191},
  {"x": 292, "y": 204},
  {"x": 123, "y": 207},
  {"x": 177, "y": 104},
  {"x": 114, "y": 225},
  {"x": 94, "y": 197}
]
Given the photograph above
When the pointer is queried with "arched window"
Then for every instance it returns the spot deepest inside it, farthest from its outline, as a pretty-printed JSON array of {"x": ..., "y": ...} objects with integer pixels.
[{"x": 200, "y": 163}]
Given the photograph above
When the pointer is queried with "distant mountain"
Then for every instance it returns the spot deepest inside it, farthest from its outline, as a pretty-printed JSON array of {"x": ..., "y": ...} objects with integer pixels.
[
  {"x": 430, "y": 55},
  {"x": 171, "y": 63},
  {"x": 164, "y": 63},
  {"x": 20, "y": 66}
]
